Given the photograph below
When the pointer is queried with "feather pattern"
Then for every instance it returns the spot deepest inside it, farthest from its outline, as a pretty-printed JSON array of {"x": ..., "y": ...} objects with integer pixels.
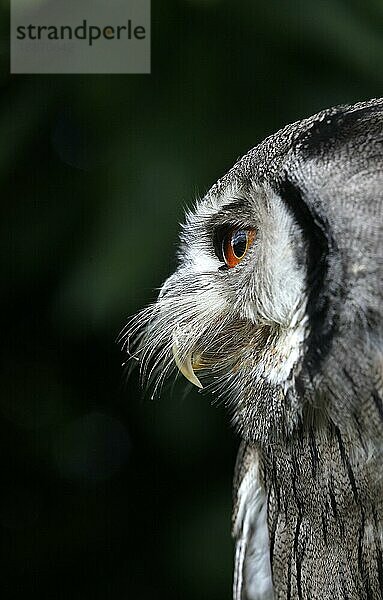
[
  {"x": 252, "y": 570},
  {"x": 291, "y": 340}
]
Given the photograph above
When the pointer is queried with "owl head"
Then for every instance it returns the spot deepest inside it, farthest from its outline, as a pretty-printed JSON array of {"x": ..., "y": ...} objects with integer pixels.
[{"x": 275, "y": 306}]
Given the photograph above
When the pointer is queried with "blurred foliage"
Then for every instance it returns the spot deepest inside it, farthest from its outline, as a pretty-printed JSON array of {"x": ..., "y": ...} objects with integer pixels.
[{"x": 106, "y": 495}]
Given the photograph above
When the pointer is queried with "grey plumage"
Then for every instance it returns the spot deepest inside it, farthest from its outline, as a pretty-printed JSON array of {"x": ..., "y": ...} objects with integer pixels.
[{"x": 291, "y": 339}]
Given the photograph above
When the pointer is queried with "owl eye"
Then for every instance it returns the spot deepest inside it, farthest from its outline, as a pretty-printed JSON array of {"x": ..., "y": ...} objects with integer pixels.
[{"x": 235, "y": 245}]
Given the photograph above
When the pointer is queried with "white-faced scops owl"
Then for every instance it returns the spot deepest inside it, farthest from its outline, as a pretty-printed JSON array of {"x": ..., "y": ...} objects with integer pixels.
[{"x": 276, "y": 308}]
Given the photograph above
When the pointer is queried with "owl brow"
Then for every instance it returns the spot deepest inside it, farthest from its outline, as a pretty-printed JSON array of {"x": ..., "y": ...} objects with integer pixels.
[
  {"x": 230, "y": 214},
  {"x": 237, "y": 205}
]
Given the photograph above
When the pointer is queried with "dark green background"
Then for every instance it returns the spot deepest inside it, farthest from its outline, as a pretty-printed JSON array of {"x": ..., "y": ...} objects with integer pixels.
[{"x": 105, "y": 494}]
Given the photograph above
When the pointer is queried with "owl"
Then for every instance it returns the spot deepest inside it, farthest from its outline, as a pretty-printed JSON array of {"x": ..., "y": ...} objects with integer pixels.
[{"x": 275, "y": 308}]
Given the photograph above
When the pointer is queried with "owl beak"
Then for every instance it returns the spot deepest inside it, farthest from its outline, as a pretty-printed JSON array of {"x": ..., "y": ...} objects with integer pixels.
[{"x": 185, "y": 365}]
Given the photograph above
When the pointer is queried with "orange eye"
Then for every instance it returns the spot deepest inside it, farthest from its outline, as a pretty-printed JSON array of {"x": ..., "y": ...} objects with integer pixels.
[{"x": 236, "y": 244}]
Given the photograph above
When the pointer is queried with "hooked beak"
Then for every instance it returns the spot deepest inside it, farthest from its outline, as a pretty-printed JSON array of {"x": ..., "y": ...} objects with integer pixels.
[{"x": 186, "y": 365}]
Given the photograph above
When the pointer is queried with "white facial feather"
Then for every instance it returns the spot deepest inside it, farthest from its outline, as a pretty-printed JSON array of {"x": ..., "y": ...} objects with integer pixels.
[
  {"x": 221, "y": 315},
  {"x": 273, "y": 292}
]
